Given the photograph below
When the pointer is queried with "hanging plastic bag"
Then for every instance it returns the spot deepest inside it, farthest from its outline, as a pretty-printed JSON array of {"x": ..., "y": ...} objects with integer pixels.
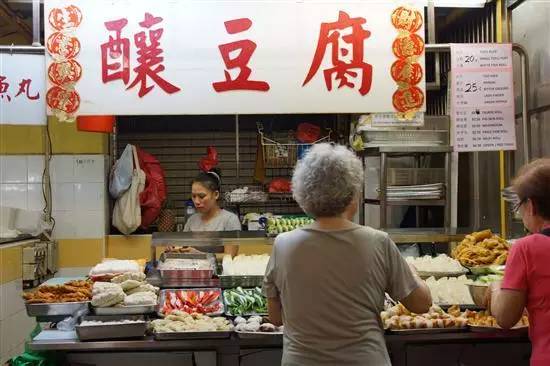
[
  {"x": 308, "y": 133},
  {"x": 121, "y": 173},
  {"x": 154, "y": 194},
  {"x": 127, "y": 211},
  {"x": 210, "y": 161}
]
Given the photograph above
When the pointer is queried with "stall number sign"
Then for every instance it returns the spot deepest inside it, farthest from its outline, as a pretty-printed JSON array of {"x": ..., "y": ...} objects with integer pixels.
[
  {"x": 482, "y": 97},
  {"x": 137, "y": 57},
  {"x": 22, "y": 89}
]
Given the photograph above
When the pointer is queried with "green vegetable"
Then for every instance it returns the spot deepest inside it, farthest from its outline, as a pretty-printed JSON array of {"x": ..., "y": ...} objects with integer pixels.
[{"x": 241, "y": 301}]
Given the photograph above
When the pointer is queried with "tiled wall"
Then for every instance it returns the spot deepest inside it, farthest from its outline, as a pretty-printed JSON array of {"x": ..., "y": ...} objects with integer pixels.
[
  {"x": 15, "y": 325},
  {"x": 79, "y": 199}
]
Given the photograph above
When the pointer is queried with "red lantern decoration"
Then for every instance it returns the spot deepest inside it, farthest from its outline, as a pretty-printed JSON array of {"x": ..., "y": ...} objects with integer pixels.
[
  {"x": 104, "y": 124},
  {"x": 62, "y": 46},
  {"x": 408, "y": 46},
  {"x": 408, "y": 99},
  {"x": 64, "y": 18},
  {"x": 64, "y": 72},
  {"x": 407, "y": 19},
  {"x": 61, "y": 99},
  {"x": 406, "y": 72}
]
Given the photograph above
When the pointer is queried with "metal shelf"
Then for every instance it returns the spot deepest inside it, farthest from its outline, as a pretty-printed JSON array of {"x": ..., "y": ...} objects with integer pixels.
[
  {"x": 427, "y": 202},
  {"x": 410, "y": 149}
]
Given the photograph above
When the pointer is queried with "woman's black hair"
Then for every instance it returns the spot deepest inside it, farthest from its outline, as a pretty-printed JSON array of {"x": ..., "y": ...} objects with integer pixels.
[{"x": 211, "y": 180}]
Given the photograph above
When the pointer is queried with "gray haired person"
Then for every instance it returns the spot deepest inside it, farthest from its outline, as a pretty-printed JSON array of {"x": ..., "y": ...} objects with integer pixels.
[{"x": 327, "y": 282}]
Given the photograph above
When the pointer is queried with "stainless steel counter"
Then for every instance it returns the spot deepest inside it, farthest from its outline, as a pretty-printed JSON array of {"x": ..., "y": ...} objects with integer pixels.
[{"x": 405, "y": 350}]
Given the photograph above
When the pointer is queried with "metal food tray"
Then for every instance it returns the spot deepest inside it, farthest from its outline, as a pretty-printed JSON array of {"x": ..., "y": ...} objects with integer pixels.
[
  {"x": 172, "y": 336},
  {"x": 486, "y": 329},
  {"x": 189, "y": 282},
  {"x": 126, "y": 310},
  {"x": 55, "y": 309},
  {"x": 428, "y": 330},
  {"x": 255, "y": 335},
  {"x": 111, "y": 331},
  {"x": 240, "y": 281},
  {"x": 162, "y": 296},
  {"x": 170, "y": 274}
]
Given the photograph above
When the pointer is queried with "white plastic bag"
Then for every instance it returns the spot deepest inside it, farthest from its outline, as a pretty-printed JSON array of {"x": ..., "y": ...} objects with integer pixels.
[
  {"x": 121, "y": 174},
  {"x": 127, "y": 211}
]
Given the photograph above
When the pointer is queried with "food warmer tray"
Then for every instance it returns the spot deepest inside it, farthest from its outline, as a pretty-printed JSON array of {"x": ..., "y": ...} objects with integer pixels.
[
  {"x": 427, "y": 330},
  {"x": 240, "y": 281},
  {"x": 485, "y": 329},
  {"x": 56, "y": 309},
  {"x": 175, "y": 274},
  {"x": 172, "y": 336},
  {"x": 256, "y": 335},
  {"x": 162, "y": 297},
  {"x": 111, "y": 331},
  {"x": 125, "y": 310}
]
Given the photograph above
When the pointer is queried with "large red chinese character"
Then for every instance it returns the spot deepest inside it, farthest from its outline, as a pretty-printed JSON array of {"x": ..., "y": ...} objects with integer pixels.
[
  {"x": 24, "y": 87},
  {"x": 150, "y": 59},
  {"x": 4, "y": 86},
  {"x": 246, "y": 48},
  {"x": 330, "y": 35},
  {"x": 116, "y": 48}
]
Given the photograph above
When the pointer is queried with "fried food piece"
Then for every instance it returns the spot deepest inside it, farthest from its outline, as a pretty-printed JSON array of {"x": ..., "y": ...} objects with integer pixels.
[
  {"x": 73, "y": 291},
  {"x": 481, "y": 248}
]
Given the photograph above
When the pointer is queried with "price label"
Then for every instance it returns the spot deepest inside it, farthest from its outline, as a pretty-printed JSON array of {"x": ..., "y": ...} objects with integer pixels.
[{"x": 482, "y": 99}]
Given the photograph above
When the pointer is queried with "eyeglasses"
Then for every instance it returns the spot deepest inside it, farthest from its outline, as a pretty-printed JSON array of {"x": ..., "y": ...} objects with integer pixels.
[{"x": 518, "y": 205}]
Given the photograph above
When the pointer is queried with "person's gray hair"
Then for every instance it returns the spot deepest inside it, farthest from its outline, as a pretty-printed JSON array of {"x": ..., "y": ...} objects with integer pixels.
[{"x": 326, "y": 180}]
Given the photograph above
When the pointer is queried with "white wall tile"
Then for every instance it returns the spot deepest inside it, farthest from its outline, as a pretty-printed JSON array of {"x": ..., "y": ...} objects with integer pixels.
[
  {"x": 63, "y": 198},
  {"x": 13, "y": 169},
  {"x": 90, "y": 224},
  {"x": 65, "y": 224},
  {"x": 62, "y": 169},
  {"x": 35, "y": 168},
  {"x": 8, "y": 338},
  {"x": 3, "y": 351},
  {"x": 10, "y": 299},
  {"x": 35, "y": 197},
  {"x": 13, "y": 195},
  {"x": 23, "y": 327},
  {"x": 90, "y": 196},
  {"x": 90, "y": 168}
]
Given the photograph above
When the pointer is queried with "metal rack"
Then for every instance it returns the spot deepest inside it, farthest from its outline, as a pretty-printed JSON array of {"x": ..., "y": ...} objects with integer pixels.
[{"x": 386, "y": 152}]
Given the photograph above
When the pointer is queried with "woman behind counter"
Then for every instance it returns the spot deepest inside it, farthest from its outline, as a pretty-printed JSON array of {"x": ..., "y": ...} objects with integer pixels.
[
  {"x": 205, "y": 192},
  {"x": 327, "y": 282},
  {"x": 526, "y": 280}
]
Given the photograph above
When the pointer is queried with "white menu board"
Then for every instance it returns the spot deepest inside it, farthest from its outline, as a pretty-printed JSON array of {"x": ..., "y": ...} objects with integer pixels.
[{"x": 482, "y": 97}]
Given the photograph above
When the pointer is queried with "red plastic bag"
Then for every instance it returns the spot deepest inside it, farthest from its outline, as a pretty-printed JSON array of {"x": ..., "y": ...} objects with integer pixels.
[
  {"x": 280, "y": 185},
  {"x": 208, "y": 162},
  {"x": 153, "y": 196},
  {"x": 308, "y": 133}
]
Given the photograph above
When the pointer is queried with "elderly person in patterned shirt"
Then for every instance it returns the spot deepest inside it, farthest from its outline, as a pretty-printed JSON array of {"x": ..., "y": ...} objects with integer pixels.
[{"x": 327, "y": 282}]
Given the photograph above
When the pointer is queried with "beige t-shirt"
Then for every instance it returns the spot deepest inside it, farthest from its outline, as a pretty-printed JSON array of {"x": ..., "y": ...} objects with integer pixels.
[{"x": 332, "y": 287}]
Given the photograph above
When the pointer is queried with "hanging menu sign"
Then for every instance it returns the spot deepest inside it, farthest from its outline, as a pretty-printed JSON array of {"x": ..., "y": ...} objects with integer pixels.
[{"x": 482, "y": 97}]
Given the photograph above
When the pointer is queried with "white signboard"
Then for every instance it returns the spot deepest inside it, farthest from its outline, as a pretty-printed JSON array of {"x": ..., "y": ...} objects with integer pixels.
[
  {"x": 22, "y": 89},
  {"x": 142, "y": 57},
  {"x": 482, "y": 98}
]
